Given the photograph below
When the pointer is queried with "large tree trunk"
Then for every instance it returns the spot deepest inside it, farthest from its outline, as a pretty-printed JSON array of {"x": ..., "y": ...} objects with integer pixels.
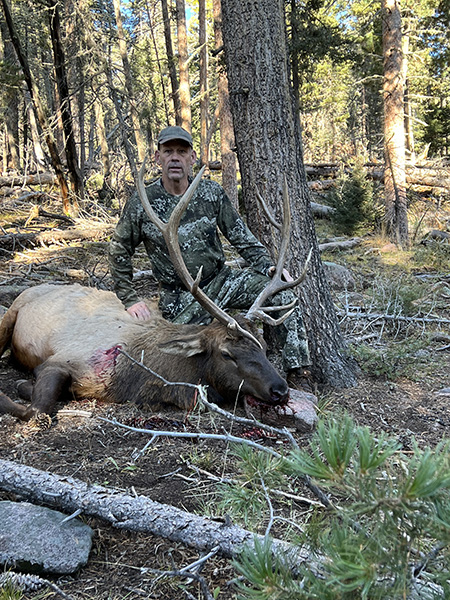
[
  {"x": 394, "y": 130},
  {"x": 171, "y": 63},
  {"x": 227, "y": 143},
  {"x": 268, "y": 142},
  {"x": 39, "y": 108},
  {"x": 204, "y": 92},
  {"x": 409, "y": 130},
  {"x": 184, "y": 89},
  {"x": 129, "y": 83}
]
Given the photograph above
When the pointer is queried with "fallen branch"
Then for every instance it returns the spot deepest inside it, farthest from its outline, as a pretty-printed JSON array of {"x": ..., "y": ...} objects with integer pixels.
[
  {"x": 135, "y": 513},
  {"x": 340, "y": 245},
  {"x": 225, "y": 437},
  {"x": 386, "y": 317}
]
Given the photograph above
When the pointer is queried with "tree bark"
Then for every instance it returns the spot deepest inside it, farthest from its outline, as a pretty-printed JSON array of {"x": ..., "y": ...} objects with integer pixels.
[
  {"x": 171, "y": 64},
  {"x": 129, "y": 82},
  {"x": 204, "y": 92},
  {"x": 64, "y": 98},
  {"x": 39, "y": 108},
  {"x": 134, "y": 513},
  {"x": 227, "y": 142},
  {"x": 184, "y": 89},
  {"x": 38, "y": 152},
  {"x": 269, "y": 147},
  {"x": 158, "y": 62},
  {"x": 394, "y": 129}
]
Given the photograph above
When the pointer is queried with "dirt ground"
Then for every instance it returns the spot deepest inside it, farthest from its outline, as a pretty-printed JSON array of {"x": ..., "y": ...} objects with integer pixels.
[{"x": 176, "y": 472}]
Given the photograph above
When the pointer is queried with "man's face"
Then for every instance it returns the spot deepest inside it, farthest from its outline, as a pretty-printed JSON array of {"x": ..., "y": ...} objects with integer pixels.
[{"x": 175, "y": 158}]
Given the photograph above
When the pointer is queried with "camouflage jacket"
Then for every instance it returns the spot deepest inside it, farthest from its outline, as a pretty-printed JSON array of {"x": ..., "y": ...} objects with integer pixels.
[{"x": 209, "y": 210}]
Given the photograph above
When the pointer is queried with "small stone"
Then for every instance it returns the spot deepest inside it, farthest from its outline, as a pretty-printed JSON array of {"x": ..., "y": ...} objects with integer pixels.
[
  {"x": 34, "y": 539},
  {"x": 299, "y": 412}
]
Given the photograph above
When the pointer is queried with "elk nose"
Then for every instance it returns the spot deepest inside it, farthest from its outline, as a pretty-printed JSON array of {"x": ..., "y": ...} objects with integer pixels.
[{"x": 279, "y": 392}]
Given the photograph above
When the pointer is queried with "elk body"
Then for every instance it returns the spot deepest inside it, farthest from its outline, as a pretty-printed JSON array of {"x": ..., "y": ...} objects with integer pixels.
[{"x": 72, "y": 337}]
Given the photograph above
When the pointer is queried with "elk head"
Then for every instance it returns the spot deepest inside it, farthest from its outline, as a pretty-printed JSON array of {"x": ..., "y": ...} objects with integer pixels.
[{"x": 241, "y": 338}]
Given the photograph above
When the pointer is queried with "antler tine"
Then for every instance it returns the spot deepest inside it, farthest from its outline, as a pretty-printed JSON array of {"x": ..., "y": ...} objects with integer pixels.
[
  {"x": 169, "y": 231},
  {"x": 277, "y": 284}
]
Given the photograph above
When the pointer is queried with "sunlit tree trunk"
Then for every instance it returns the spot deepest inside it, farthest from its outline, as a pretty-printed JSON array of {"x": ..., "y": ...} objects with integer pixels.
[
  {"x": 38, "y": 152},
  {"x": 409, "y": 130},
  {"x": 204, "y": 91},
  {"x": 269, "y": 148},
  {"x": 101, "y": 133},
  {"x": 394, "y": 128},
  {"x": 129, "y": 82},
  {"x": 171, "y": 63},
  {"x": 227, "y": 143},
  {"x": 184, "y": 89}
]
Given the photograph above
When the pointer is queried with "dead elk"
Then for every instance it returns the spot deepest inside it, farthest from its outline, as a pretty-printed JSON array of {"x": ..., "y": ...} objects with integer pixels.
[{"x": 72, "y": 336}]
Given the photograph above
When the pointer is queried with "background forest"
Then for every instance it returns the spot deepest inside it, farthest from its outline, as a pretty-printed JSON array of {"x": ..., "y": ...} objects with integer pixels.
[{"x": 155, "y": 63}]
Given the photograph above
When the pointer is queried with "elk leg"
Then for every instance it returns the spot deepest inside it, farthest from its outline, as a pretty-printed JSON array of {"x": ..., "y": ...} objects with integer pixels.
[
  {"x": 25, "y": 389},
  {"x": 7, "y": 328},
  {"x": 51, "y": 380},
  {"x": 8, "y": 407}
]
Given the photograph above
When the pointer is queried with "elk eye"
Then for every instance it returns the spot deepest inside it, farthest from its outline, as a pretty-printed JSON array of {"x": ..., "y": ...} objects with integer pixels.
[{"x": 226, "y": 355}]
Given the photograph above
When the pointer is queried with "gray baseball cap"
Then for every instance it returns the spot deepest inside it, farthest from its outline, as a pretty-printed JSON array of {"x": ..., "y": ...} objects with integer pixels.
[{"x": 175, "y": 133}]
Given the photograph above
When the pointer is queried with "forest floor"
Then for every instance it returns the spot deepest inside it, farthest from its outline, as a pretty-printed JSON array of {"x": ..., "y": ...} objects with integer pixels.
[{"x": 405, "y": 368}]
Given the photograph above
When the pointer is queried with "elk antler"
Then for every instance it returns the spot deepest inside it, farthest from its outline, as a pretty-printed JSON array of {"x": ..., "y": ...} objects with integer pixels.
[
  {"x": 169, "y": 231},
  {"x": 277, "y": 284}
]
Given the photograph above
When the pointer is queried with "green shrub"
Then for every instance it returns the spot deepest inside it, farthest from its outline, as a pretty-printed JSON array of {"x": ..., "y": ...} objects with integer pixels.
[
  {"x": 355, "y": 202},
  {"x": 385, "y": 535}
]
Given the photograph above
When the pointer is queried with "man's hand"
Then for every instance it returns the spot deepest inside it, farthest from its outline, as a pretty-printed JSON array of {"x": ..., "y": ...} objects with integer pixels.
[
  {"x": 139, "y": 311},
  {"x": 284, "y": 274}
]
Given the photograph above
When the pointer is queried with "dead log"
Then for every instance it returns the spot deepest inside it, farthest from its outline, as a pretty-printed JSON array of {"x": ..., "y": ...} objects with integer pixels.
[
  {"x": 43, "y": 238},
  {"x": 340, "y": 245},
  {"x": 21, "y": 180},
  {"x": 321, "y": 210},
  {"x": 134, "y": 513}
]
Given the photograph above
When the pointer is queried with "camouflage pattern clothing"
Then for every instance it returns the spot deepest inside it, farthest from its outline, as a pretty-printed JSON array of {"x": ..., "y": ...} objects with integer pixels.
[{"x": 209, "y": 211}]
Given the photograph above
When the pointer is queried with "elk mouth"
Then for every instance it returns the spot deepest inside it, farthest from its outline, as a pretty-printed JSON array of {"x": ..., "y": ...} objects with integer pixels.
[{"x": 265, "y": 405}]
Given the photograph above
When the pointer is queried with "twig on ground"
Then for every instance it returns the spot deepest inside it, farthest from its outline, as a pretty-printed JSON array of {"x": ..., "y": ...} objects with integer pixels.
[
  {"x": 193, "y": 436},
  {"x": 226, "y": 437},
  {"x": 388, "y": 317}
]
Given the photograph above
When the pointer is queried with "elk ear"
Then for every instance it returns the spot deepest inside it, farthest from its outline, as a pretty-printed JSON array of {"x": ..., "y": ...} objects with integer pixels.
[{"x": 187, "y": 346}]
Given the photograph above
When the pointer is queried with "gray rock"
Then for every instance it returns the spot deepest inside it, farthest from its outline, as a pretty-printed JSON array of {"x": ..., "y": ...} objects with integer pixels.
[
  {"x": 33, "y": 539},
  {"x": 339, "y": 277},
  {"x": 299, "y": 413}
]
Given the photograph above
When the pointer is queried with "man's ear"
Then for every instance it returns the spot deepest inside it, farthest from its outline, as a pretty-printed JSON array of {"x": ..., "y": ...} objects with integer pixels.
[
  {"x": 193, "y": 157},
  {"x": 157, "y": 157}
]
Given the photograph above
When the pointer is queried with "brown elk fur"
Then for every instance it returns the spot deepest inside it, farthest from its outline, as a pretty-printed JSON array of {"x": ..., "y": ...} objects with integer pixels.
[{"x": 73, "y": 336}]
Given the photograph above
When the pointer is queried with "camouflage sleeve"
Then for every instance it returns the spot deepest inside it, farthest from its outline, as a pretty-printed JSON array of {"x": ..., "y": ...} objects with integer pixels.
[
  {"x": 126, "y": 238},
  {"x": 239, "y": 235}
]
